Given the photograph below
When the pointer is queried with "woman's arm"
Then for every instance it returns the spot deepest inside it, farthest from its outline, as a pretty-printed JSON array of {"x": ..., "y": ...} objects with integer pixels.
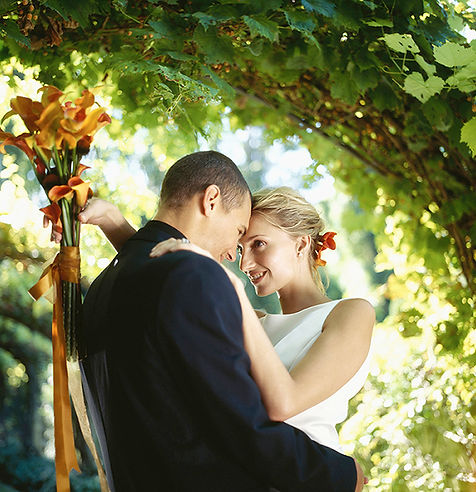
[
  {"x": 331, "y": 361},
  {"x": 109, "y": 219}
]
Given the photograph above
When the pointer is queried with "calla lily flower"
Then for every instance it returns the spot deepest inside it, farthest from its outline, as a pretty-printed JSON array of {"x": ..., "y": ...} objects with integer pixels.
[
  {"x": 81, "y": 189},
  {"x": 81, "y": 169},
  {"x": 28, "y": 110},
  {"x": 48, "y": 123},
  {"x": 86, "y": 101},
  {"x": 76, "y": 186},
  {"x": 50, "y": 94},
  {"x": 19, "y": 142},
  {"x": 327, "y": 242},
  {"x": 83, "y": 145},
  {"x": 59, "y": 192},
  {"x": 53, "y": 212}
]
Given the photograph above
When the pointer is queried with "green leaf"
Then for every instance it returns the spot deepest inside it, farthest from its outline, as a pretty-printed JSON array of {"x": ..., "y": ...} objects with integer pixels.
[
  {"x": 300, "y": 21},
  {"x": 468, "y": 135},
  {"x": 7, "y": 5},
  {"x": 323, "y": 7},
  {"x": 428, "y": 67},
  {"x": 423, "y": 89},
  {"x": 164, "y": 29},
  {"x": 194, "y": 88},
  {"x": 11, "y": 30},
  {"x": 205, "y": 20},
  {"x": 223, "y": 13},
  {"x": 384, "y": 97},
  {"x": 453, "y": 55},
  {"x": 344, "y": 88},
  {"x": 261, "y": 26},
  {"x": 224, "y": 87},
  {"x": 216, "y": 49},
  {"x": 365, "y": 79},
  {"x": 262, "y": 6},
  {"x": 369, "y": 4},
  {"x": 438, "y": 113},
  {"x": 79, "y": 11},
  {"x": 379, "y": 22},
  {"x": 401, "y": 43},
  {"x": 464, "y": 79}
]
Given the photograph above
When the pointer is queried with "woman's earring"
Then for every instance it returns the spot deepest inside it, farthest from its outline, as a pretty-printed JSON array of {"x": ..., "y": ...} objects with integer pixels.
[{"x": 300, "y": 253}]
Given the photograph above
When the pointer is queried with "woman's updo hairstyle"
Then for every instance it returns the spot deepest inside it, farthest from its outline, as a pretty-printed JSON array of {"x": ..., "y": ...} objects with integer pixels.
[{"x": 286, "y": 209}]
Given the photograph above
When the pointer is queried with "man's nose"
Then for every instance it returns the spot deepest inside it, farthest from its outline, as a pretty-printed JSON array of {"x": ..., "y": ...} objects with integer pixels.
[{"x": 231, "y": 254}]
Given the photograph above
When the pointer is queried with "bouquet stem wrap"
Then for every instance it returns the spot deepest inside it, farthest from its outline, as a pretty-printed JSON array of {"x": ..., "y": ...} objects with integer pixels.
[{"x": 63, "y": 275}]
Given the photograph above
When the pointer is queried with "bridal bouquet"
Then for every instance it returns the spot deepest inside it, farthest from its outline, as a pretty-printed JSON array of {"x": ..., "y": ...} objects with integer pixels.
[{"x": 59, "y": 133}]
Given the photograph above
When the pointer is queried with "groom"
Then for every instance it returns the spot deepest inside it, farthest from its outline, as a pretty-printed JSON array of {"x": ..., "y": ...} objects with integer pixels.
[{"x": 166, "y": 375}]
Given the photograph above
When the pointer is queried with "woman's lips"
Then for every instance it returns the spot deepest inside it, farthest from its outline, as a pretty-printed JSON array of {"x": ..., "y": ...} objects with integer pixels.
[{"x": 257, "y": 278}]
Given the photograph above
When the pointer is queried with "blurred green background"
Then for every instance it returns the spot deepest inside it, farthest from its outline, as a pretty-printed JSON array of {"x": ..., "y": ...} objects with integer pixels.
[
  {"x": 305, "y": 94},
  {"x": 411, "y": 427}
]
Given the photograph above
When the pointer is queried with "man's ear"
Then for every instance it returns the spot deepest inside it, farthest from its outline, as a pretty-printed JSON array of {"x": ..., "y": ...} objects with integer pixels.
[{"x": 211, "y": 198}]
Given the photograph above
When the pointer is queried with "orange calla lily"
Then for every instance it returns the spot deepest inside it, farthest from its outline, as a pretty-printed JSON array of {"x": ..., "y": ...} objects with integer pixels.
[
  {"x": 50, "y": 94},
  {"x": 28, "y": 110},
  {"x": 86, "y": 101},
  {"x": 48, "y": 123},
  {"x": 81, "y": 169},
  {"x": 76, "y": 186},
  {"x": 82, "y": 190},
  {"x": 53, "y": 212},
  {"x": 83, "y": 145},
  {"x": 59, "y": 192},
  {"x": 327, "y": 242},
  {"x": 19, "y": 142}
]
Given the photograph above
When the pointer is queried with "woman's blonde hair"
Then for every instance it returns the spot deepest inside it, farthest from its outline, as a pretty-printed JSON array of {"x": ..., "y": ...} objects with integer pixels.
[{"x": 286, "y": 209}]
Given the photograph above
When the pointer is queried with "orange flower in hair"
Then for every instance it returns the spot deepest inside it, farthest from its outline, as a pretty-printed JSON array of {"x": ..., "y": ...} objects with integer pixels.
[{"x": 327, "y": 242}]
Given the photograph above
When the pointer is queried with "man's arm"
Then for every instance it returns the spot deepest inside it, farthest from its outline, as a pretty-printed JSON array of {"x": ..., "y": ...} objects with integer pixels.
[{"x": 200, "y": 321}]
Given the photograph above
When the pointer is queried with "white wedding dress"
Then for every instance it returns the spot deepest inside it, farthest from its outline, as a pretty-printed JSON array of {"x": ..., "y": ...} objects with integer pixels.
[{"x": 292, "y": 335}]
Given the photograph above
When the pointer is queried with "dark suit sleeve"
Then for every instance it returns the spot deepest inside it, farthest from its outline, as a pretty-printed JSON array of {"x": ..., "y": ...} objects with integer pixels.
[{"x": 201, "y": 324}]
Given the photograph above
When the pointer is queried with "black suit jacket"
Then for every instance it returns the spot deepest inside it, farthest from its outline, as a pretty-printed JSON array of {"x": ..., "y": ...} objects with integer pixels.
[{"x": 168, "y": 383}]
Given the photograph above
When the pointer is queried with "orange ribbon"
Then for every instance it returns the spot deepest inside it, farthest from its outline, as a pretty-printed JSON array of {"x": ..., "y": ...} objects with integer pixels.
[{"x": 65, "y": 267}]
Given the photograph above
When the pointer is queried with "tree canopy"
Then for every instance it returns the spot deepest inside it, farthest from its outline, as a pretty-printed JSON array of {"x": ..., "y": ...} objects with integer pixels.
[
  {"x": 381, "y": 92},
  {"x": 390, "y": 84}
]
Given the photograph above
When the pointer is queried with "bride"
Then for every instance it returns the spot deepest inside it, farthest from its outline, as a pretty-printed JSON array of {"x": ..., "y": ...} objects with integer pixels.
[{"x": 309, "y": 361}]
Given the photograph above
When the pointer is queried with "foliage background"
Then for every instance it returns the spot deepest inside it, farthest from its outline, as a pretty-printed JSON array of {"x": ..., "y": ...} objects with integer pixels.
[{"x": 381, "y": 94}]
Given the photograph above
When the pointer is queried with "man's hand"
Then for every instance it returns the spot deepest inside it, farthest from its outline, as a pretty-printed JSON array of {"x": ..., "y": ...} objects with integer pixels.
[
  {"x": 361, "y": 479},
  {"x": 96, "y": 212}
]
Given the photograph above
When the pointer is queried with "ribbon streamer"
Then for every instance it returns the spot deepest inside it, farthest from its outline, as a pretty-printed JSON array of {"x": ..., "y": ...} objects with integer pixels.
[{"x": 65, "y": 267}]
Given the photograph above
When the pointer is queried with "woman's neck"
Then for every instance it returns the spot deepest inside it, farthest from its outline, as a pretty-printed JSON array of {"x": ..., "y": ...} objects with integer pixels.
[{"x": 301, "y": 295}]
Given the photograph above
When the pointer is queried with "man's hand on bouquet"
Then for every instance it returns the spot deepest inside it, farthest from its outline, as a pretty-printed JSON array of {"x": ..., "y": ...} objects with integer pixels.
[{"x": 96, "y": 212}]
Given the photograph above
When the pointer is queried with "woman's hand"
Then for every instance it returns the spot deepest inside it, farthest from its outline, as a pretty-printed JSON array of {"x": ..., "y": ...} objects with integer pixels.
[{"x": 172, "y": 244}]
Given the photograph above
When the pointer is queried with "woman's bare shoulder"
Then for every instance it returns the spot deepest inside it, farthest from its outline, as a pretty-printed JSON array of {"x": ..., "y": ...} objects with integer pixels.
[{"x": 355, "y": 310}]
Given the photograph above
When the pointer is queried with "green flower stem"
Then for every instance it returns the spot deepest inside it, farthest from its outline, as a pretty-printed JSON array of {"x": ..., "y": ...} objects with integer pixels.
[
  {"x": 67, "y": 223},
  {"x": 42, "y": 156},
  {"x": 75, "y": 160},
  {"x": 59, "y": 164}
]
